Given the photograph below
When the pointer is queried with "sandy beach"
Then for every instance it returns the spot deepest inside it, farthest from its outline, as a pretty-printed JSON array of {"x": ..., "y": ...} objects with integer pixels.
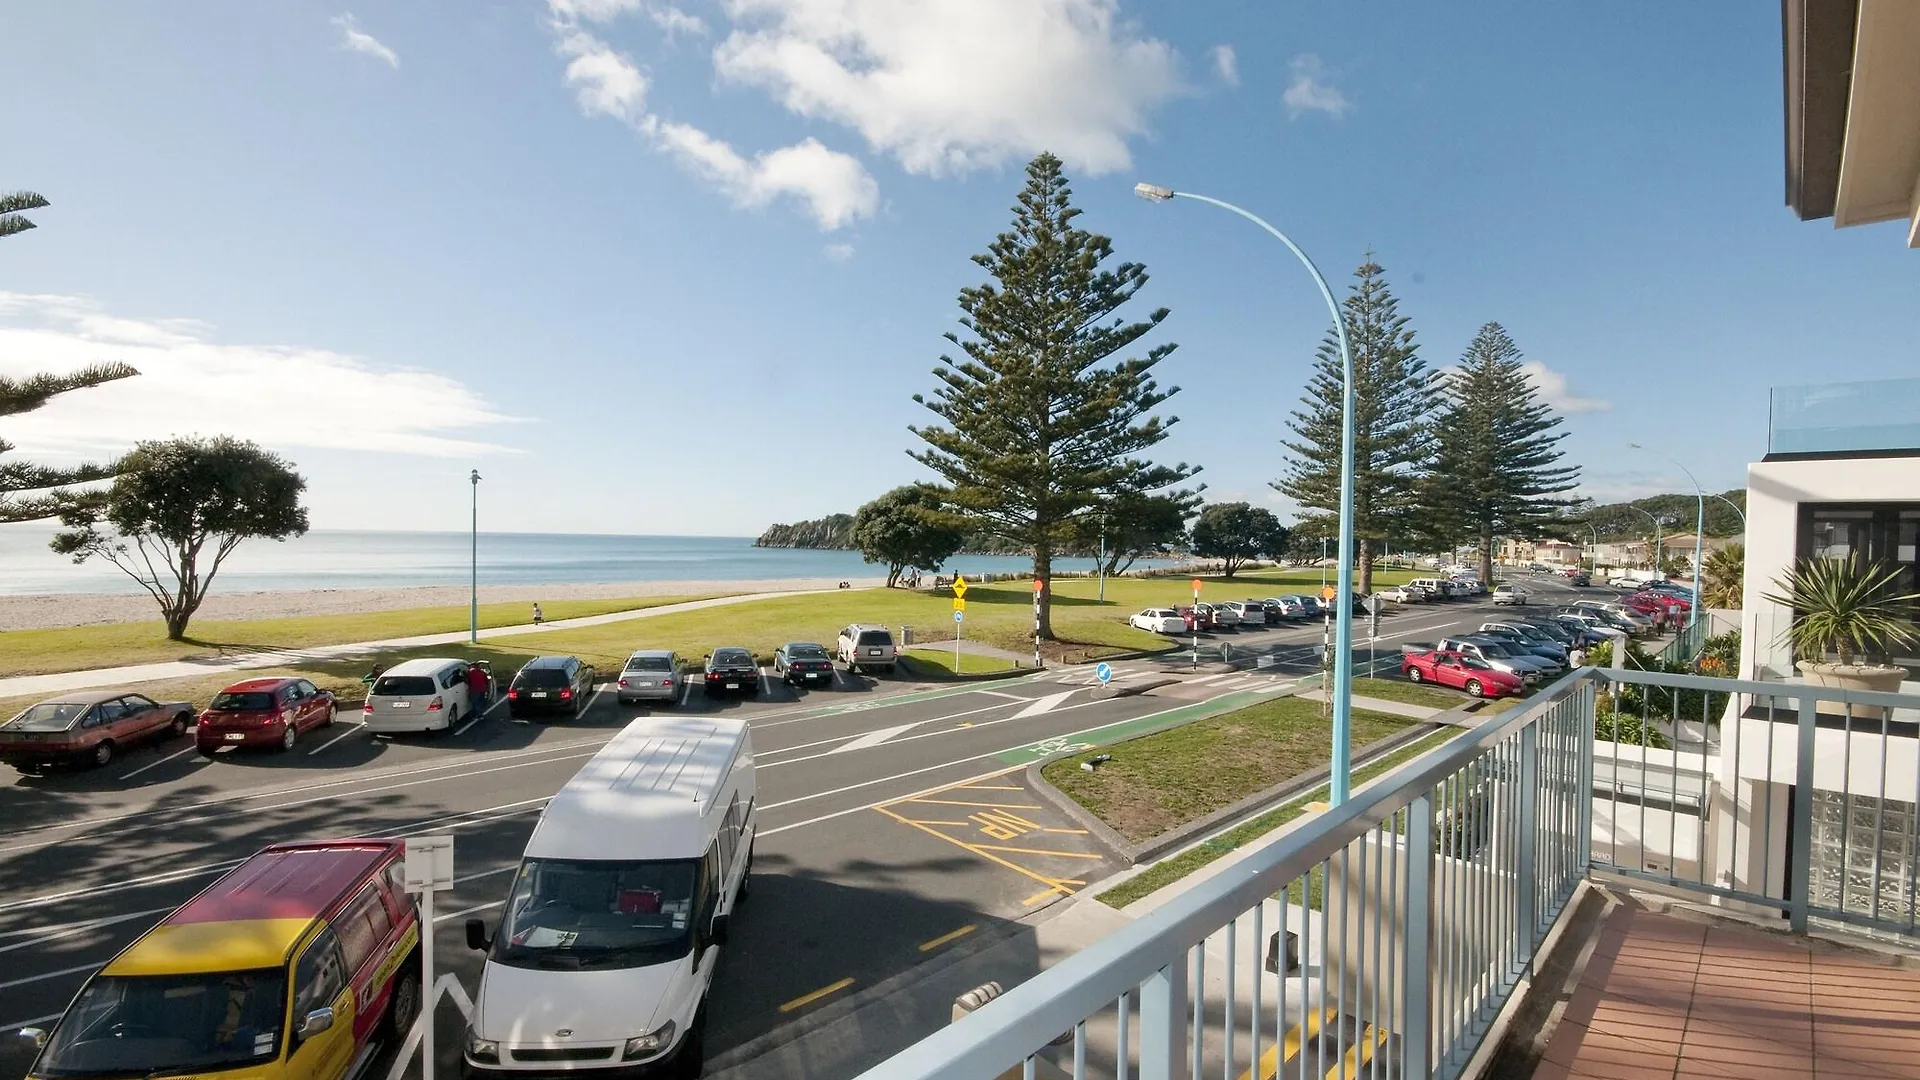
[{"x": 41, "y": 611}]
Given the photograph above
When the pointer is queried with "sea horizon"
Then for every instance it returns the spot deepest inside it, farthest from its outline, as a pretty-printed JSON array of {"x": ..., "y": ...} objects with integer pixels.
[{"x": 396, "y": 558}]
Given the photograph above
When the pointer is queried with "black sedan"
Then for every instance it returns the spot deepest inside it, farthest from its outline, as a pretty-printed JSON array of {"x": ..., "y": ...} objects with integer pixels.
[
  {"x": 550, "y": 684},
  {"x": 732, "y": 670},
  {"x": 803, "y": 663}
]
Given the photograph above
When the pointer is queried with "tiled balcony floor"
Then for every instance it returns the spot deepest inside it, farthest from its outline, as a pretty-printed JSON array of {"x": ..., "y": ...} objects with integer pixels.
[{"x": 1668, "y": 997}]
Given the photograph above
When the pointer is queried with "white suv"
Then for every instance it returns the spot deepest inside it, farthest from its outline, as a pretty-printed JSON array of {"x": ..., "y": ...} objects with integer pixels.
[{"x": 864, "y": 646}]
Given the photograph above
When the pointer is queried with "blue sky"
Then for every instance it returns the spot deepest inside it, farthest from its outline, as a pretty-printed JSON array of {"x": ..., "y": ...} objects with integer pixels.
[{"x": 679, "y": 269}]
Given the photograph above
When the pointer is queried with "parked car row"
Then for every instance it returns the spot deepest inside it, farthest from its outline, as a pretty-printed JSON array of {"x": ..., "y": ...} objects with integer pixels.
[{"x": 1234, "y": 614}]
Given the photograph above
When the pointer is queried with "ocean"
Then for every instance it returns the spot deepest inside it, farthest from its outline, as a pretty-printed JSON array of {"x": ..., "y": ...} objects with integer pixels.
[{"x": 356, "y": 559}]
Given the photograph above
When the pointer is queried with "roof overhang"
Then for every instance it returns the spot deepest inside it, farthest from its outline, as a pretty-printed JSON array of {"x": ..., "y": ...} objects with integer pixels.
[{"x": 1852, "y": 82}]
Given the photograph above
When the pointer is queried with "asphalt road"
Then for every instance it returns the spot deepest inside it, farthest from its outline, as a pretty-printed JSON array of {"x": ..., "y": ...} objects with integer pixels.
[{"x": 893, "y": 823}]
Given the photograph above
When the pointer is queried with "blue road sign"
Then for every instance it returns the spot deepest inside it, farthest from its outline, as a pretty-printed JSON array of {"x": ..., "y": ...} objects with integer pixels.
[
  {"x": 1103, "y": 672},
  {"x": 959, "y": 616}
]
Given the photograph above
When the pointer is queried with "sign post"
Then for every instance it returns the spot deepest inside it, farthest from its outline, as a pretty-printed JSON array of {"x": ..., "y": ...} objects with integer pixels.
[
  {"x": 1104, "y": 672},
  {"x": 959, "y": 616},
  {"x": 1036, "y": 624},
  {"x": 1196, "y": 624},
  {"x": 428, "y": 869}
]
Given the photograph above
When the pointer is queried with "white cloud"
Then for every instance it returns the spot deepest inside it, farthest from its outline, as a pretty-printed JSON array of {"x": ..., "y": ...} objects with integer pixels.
[
  {"x": 1226, "y": 64},
  {"x": 1312, "y": 91},
  {"x": 358, "y": 40},
  {"x": 948, "y": 86},
  {"x": 835, "y": 187},
  {"x": 838, "y": 252},
  {"x": 605, "y": 82},
  {"x": 1554, "y": 390},
  {"x": 674, "y": 21},
  {"x": 592, "y": 10},
  {"x": 284, "y": 397}
]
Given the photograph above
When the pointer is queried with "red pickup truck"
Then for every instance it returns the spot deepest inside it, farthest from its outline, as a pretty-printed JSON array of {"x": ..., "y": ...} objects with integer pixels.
[{"x": 1462, "y": 672}]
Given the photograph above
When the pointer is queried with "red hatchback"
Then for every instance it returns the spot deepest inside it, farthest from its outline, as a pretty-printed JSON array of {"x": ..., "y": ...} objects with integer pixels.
[{"x": 263, "y": 712}]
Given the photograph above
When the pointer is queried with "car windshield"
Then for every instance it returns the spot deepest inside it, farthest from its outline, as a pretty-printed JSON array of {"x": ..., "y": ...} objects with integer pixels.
[
  {"x": 403, "y": 686},
  {"x": 161, "y": 1024},
  {"x": 543, "y": 678},
  {"x": 806, "y": 652},
  {"x": 649, "y": 663},
  {"x": 47, "y": 716},
  {"x": 569, "y": 914},
  {"x": 1494, "y": 647},
  {"x": 242, "y": 701},
  {"x": 1474, "y": 662}
]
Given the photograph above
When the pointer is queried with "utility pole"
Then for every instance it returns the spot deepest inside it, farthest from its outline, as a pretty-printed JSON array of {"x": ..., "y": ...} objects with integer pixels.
[{"x": 473, "y": 582}]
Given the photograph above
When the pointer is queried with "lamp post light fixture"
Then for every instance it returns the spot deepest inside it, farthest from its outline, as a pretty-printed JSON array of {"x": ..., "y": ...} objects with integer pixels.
[
  {"x": 473, "y": 582},
  {"x": 1341, "y": 692},
  {"x": 1699, "y": 526}
]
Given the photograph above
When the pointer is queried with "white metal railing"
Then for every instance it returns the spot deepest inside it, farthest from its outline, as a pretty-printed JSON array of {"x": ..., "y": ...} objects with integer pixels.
[{"x": 1418, "y": 905}]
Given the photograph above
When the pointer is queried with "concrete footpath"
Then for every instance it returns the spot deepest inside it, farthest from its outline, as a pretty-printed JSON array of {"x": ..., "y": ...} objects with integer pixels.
[{"x": 60, "y": 682}]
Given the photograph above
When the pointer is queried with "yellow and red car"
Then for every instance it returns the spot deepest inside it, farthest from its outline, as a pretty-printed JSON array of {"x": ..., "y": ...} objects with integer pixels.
[{"x": 290, "y": 967}]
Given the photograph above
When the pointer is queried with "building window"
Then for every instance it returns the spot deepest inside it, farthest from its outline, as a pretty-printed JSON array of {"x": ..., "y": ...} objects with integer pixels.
[{"x": 1877, "y": 532}]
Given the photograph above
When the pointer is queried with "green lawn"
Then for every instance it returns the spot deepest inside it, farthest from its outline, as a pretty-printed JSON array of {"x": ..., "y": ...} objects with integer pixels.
[
  {"x": 35, "y": 652},
  {"x": 1163, "y": 781},
  {"x": 1169, "y": 870},
  {"x": 938, "y": 663},
  {"x": 1397, "y": 689}
]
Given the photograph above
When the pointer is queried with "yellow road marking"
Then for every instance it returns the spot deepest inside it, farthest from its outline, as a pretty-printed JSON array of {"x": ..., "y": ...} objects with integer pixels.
[
  {"x": 954, "y": 935},
  {"x": 989, "y": 787},
  {"x": 1068, "y": 832},
  {"x": 1279, "y": 1053},
  {"x": 954, "y": 787},
  {"x": 988, "y": 805},
  {"x": 1037, "y": 897},
  {"x": 1358, "y": 1054},
  {"x": 960, "y": 823},
  {"x": 1038, "y": 851},
  {"x": 1058, "y": 885},
  {"x": 807, "y": 999}
]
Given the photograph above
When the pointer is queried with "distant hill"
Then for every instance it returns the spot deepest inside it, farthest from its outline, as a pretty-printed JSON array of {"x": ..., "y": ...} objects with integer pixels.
[
  {"x": 831, "y": 533},
  {"x": 1676, "y": 513}
]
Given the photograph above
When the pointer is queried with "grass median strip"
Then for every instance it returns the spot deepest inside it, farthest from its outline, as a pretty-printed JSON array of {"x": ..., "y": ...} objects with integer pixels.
[
  {"x": 1173, "y": 868},
  {"x": 1433, "y": 697}
]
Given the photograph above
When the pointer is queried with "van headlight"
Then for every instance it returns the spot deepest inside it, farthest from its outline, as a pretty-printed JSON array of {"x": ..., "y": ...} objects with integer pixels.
[
  {"x": 646, "y": 1046},
  {"x": 486, "y": 1051}
]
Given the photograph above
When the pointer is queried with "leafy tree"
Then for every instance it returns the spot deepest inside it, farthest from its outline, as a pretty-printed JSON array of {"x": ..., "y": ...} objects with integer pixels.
[
  {"x": 1039, "y": 423},
  {"x": 1135, "y": 526},
  {"x": 1236, "y": 533},
  {"x": 25, "y": 395},
  {"x": 1393, "y": 396},
  {"x": 175, "y": 512},
  {"x": 1497, "y": 468},
  {"x": 906, "y": 527},
  {"x": 1723, "y": 576}
]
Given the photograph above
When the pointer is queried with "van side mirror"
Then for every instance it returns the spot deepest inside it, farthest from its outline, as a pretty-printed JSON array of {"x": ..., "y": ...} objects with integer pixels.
[
  {"x": 722, "y": 928},
  {"x": 34, "y": 1035},
  {"x": 316, "y": 1022},
  {"x": 477, "y": 938}
]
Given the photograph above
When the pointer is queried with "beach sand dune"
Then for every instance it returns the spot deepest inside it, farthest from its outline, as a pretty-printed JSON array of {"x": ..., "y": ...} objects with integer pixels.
[{"x": 42, "y": 611}]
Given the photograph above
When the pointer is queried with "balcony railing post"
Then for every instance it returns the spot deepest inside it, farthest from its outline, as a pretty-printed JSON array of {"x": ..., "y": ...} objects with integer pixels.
[
  {"x": 1799, "y": 879},
  {"x": 1163, "y": 1015},
  {"x": 1589, "y": 698},
  {"x": 1525, "y": 886},
  {"x": 1416, "y": 931}
]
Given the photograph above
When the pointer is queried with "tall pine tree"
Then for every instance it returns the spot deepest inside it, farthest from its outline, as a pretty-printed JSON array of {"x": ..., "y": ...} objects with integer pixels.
[
  {"x": 1393, "y": 397},
  {"x": 25, "y": 395},
  {"x": 1039, "y": 423},
  {"x": 1497, "y": 470}
]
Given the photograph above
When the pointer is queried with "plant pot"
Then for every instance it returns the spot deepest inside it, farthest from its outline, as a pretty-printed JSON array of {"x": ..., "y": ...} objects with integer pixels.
[{"x": 1883, "y": 678}]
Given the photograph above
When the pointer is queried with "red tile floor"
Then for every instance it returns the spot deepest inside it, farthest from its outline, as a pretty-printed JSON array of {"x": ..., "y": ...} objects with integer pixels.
[{"x": 1668, "y": 997}]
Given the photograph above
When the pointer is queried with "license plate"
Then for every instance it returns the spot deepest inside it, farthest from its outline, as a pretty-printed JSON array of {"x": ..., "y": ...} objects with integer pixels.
[
  {"x": 873, "y": 652},
  {"x": 733, "y": 686},
  {"x": 646, "y": 682},
  {"x": 538, "y": 693},
  {"x": 813, "y": 674},
  {"x": 235, "y": 737},
  {"x": 400, "y": 704}
]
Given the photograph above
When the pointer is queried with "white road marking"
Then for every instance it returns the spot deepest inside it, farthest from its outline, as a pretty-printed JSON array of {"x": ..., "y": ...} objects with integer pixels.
[
  {"x": 438, "y": 919},
  {"x": 48, "y": 975},
  {"x": 76, "y": 928},
  {"x": 875, "y": 738},
  {"x": 686, "y": 690},
  {"x": 162, "y": 761},
  {"x": 765, "y": 688},
  {"x": 352, "y": 729},
  {"x": 12, "y": 1025},
  {"x": 1044, "y": 705},
  {"x": 1001, "y": 693},
  {"x": 844, "y": 738},
  {"x": 473, "y": 717}
]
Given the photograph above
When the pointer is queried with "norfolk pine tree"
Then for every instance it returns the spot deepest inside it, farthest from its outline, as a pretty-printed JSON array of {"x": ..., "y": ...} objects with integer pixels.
[
  {"x": 19, "y": 396},
  {"x": 1496, "y": 468},
  {"x": 1393, "y": 396},
  {"x": 1038, "y": 424}
]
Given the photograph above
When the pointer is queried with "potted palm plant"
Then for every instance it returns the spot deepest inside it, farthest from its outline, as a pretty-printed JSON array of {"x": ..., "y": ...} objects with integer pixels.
[{"x": 1850, "y": 610}]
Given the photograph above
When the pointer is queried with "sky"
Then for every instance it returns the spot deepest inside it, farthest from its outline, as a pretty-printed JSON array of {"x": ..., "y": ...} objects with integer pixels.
[{"x": 679, "y": 266}]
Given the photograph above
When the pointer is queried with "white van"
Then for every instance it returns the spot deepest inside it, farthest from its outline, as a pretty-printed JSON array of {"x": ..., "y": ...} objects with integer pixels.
[
  {"x": 428, "y": 694},
  {"x": 615, "y": 920}
]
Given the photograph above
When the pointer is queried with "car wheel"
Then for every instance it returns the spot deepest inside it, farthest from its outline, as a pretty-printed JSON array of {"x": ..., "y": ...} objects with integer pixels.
[
  {"x": 333, "y": 713},
  {"x": 1413, "y": 675},
  {"x": 289, "y": 735},
  {"x": 403, "y": 1008},
  {"x": 178, "y": 727},
  {"x": 1474, "y": 689},
  {"x": 102, "y": 753}
]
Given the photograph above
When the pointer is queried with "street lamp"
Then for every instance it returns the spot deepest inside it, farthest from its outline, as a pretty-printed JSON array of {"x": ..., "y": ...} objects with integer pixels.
[
  {"x": 1341, "y": 692},
  {"x": 473, "y": 583},
  {"x": 1736, "y": 509},
  {"x": 1699, "y": 526}
]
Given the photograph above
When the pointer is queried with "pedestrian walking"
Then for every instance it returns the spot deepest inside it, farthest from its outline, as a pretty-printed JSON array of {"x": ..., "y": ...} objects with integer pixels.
[
  {"x": 479, "y": 687},
  {"x": 537, "y": 617}
]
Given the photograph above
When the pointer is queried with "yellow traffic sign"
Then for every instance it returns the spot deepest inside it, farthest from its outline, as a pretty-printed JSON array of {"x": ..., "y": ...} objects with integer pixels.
[
  {"x": 1326, "y": 592},
  {"x": 959, "y": 604},
  {"x": 959, "y": 589}
]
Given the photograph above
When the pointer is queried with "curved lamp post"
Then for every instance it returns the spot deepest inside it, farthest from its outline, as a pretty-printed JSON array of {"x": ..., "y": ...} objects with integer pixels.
[
  {"x": 1699, "y": 526},
  {"x": 473, "y": 583},
  {"x": 1342, "y": 690}
]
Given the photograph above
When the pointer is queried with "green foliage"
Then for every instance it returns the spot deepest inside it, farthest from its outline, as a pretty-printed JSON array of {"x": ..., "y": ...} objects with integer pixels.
[
  {"x": 831, "y": 533},
  {"x": 12, "y": 211},
  {"x": 1849, "y": 607},
  {"x": 1496, "y": 468},
  {"x": 1237, "y": 532},
  {"x": 1393, "y": 397},
  {"x": 1627, "y": 728},
  {"x": 185, "y": 504},
  {"x": 1722, "y": 577},
  {"x": 1038, "y": 422},
  {"x": 1134, "y": 526},
  {"x": 906, "y": 527},
  {"x": 1719, "y": 655},
  {"x": 1626, "y": 521}
]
